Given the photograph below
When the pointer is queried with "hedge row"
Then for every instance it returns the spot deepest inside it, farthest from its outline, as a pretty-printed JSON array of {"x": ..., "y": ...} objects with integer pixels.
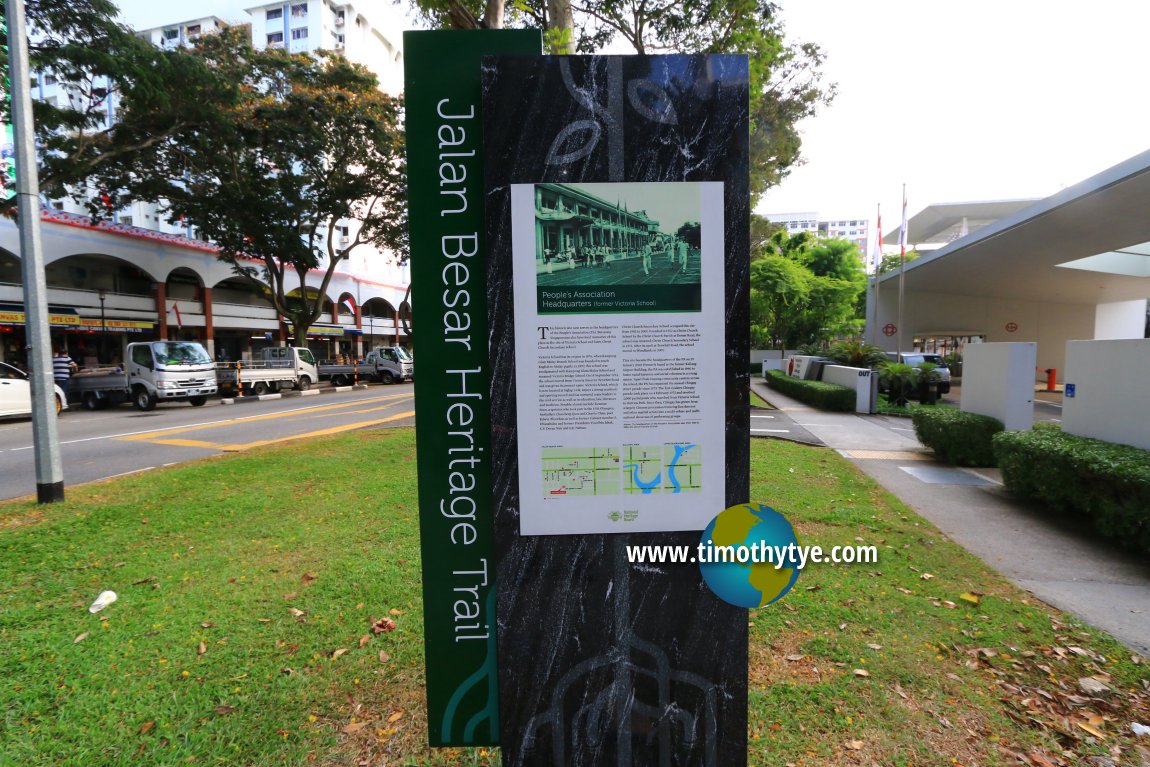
[
  {"x": 820, "y": 394},
  {"x": 958, "y": 437},
  {"x": 1076, "y": 476}
]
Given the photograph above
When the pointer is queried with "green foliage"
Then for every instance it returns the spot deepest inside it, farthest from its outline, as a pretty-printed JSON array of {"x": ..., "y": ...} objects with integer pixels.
[
  {"x": 301, "y": 144},
  {"x": 1105, "y": 483},
  {"x": 805, "y": 290},
  {"x": 857, "y": 353},
  {"x": 899, "y": 380},
  {"x": 891, "y": 263},
  {"x": 820, "y": 394},
  {"x": 96, "y": 59},
  {"x": 779, "y": 291},
  {"x": 785, "y": 86},
  {"x": 958, "y": 437}
]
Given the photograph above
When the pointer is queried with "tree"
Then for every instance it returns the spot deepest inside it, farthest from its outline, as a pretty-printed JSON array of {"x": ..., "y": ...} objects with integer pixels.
[
  {"x": 890, "y": 263},
  {"x": 95, "y": 59},
  {"x": 691, "y": 233},
  {"x": 805, "y": 290},
  {"x": 780, "y": 288},
  {"x": 785, "y": 78},
  {"x": 762, "y": 230},
  {"x": 305, "y": 144}
]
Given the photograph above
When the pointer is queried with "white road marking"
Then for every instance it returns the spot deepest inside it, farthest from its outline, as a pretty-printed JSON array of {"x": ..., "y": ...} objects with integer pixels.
[
  {"x": 128, "y": 473},
  {"x": 770, "y": 431},
  {"x": 209, "y": 423}
]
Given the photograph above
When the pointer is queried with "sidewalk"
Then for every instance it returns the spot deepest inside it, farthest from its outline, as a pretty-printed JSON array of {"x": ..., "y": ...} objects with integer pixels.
[{"x": 1068, "y": 568}]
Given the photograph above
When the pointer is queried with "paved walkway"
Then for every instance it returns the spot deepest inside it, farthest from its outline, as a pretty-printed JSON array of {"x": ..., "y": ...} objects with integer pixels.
[{"x": 1062, "y": 565}]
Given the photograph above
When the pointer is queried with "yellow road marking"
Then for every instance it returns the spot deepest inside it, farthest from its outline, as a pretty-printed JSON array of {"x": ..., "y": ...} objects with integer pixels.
[
  {"x": 320, "y": 433},
  {"x": 185, "y": 443},
  {"x": 224, "y": 447},
  {"x": 152, "y": 435}
]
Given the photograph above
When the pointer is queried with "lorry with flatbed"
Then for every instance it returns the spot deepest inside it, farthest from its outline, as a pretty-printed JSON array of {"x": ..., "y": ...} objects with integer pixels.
[
  {"x": 155, "y": 371},
  {"x": 277, "y": 368},
  {"x": 385, "y": 364}
]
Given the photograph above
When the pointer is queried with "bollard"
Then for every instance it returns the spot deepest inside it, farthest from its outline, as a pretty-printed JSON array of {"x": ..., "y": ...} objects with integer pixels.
[
  {"x": 239, "y": 379},
  {"x": 1051, "y": 379}
]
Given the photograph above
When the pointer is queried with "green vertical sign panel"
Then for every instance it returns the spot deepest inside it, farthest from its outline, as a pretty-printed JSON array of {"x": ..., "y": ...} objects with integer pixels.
[{"x": 449, "y": 287}]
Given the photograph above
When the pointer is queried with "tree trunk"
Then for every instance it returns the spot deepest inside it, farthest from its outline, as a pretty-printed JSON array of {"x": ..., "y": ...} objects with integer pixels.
[
  {"x": 559, "y": 16},
  {"x": 493, "y": 14}
]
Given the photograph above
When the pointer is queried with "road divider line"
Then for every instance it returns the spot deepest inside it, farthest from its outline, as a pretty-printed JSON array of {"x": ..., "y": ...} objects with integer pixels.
[
  {"x": 148, "y": 436},
  {"x": 321, "y": 433}
]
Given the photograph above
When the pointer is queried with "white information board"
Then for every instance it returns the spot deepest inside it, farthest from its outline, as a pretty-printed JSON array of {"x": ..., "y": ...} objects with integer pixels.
[{"x": 619, "y": 356}]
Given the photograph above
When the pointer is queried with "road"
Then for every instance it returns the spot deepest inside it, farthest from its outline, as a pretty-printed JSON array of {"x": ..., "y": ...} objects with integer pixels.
[{"x": 101, "y": 444}]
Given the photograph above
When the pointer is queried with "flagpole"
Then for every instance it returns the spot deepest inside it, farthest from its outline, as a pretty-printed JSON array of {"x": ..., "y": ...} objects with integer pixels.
[{"x": 902, "y": 239}]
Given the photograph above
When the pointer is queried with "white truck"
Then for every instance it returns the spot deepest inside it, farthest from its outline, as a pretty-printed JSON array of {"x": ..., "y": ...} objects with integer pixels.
[
  {"x": 169, "y": 371},
  {"x": 386, "y": 364},
  {"x": 277, "y": 368}
]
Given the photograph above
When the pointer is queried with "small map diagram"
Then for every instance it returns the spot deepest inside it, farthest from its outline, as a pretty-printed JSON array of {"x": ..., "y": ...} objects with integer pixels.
[
  {"x": 634, "y": 470},
  {"x": 580, "y": 471}
]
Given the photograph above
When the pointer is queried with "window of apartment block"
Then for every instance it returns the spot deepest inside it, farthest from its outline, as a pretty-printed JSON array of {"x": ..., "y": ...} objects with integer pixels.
[
  {"x": 126, "y": 220},
  {"x": 276, "y": 38},
  {"x": 192, "y": 31},
  {"x": 171, "y": 34},
  {"x": 299, "y": 34},
  {"x": 275, "y": 13},
  {"x": 299, "y": 11}
]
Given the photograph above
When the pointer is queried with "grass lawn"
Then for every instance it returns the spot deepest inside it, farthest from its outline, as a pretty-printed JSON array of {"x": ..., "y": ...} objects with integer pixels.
[
  {"x": 249, "y": 586},
  {"x": 757, "y": 401}
]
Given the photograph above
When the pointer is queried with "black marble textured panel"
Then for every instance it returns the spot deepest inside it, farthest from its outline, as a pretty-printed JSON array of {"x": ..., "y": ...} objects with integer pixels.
[{"x": 601, "y": 663}]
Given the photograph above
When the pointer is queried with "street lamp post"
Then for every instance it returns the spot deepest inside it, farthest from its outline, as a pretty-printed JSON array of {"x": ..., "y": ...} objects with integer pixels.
[{"x": 103, "y": 327}]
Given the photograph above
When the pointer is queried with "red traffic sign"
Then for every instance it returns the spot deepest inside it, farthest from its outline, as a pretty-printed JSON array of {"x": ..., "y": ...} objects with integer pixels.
[{"x": 889, "y": 329}]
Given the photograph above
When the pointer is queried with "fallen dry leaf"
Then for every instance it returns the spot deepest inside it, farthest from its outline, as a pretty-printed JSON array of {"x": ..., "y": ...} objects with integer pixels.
[
  {"x": 292, "y": 595},
  {"x": 794, "y": 658},
  {"x": 393, "y": 611},
  {"x": 363, "y": 640},
  {"x": 395, "y": 717},
  {"x": 80, "y": 638},
  {"x": 861, "y": 672},
  {"x": 203, "y": 648},
  {"x": 306, "y": 578},
  {"x": 338, "y": 653},
  {"x": 972, "y": 597},
  {"x": 145, "y": 727},
  {"x": 948, "y": 604},
  {"x": 926, "y": 576},
  {"x": 1091, "y": 729},
  {"x": 224, "y": 710},
  {"x": 854, "y": 745},
  {"x": 382, "y": 625},
  {"x": 355, "y": 727},
  {"x": 297, "y": 613},
  {"x": 873, "y": 646},
  {"x": 207, "y": 625},
  {"x": 383, "y": 656}
]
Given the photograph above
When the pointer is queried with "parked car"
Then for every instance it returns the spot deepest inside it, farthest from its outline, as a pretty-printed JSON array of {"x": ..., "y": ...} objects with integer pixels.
[
  {"x": 16, "y": 392},
  {"x": 914, "y": 359}
]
